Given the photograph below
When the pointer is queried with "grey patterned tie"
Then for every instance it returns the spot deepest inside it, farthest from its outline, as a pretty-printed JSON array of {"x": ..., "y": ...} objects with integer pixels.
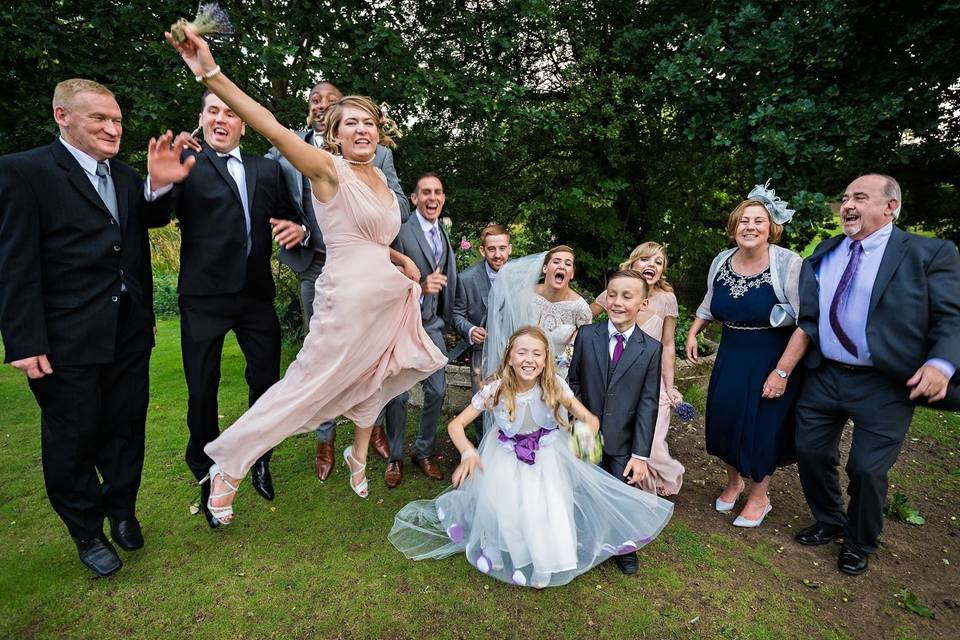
[{"x": 105, "y": 188}]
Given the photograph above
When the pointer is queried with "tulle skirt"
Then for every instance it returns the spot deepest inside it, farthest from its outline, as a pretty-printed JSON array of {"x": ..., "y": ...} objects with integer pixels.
[{"x": 538, "y": 525}]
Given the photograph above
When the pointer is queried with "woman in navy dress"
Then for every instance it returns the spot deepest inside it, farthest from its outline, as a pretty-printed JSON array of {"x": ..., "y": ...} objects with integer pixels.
[{"x": 752, "y": 290}]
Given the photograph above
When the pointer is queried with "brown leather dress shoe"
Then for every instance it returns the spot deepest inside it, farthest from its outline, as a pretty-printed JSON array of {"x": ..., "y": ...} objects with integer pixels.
[
  {"x": 429, "y": 467},
  {"x": 378, "y": 439},
  {"x": 324, "y": 461},
  {"x": 394, "y": 473}
]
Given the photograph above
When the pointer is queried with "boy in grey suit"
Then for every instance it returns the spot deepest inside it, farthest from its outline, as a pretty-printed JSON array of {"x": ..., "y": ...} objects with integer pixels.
[
  {"x": 615, "y": 373},
  {"x": 470, "y": 308}
]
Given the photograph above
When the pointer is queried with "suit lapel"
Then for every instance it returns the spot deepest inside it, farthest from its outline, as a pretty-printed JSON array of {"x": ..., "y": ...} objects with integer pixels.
[
  {"x": 892, "y": 256},
  {"x": 220, "y": 164},
  {"x": 601, "y": 350},
  {"x": 422, "y": 241},
  {"x": 631, "y": 351},
  {"x": 122, "y": 190},
  {"x": 250, "y": 172},
  {"x": 78, "y": 177},
  {"x": 823, "y": 249}
]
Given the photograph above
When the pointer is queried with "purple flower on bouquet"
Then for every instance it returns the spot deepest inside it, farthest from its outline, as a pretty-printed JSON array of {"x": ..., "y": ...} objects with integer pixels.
[{"x": 685, "y": 411}]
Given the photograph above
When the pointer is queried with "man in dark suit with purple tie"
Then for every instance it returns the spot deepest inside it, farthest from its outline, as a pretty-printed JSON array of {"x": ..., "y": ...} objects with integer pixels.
[{"x": 882, "y": 309}]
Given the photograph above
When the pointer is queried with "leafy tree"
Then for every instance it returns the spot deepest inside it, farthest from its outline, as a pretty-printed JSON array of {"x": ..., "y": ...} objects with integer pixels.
[{"x": 597, "y": 123}]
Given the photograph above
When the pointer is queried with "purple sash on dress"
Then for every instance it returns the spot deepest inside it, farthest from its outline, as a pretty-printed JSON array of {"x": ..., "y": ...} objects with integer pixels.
[{"x": 525, "y": 445}]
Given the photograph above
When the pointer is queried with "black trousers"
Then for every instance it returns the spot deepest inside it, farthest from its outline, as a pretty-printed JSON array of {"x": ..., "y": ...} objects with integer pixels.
[
  {"x": 92, "y": 421},
  {"x": 881, "y": 411},
  {"x": 614, "y": 465},
  {"x": 204, "y": 323}
]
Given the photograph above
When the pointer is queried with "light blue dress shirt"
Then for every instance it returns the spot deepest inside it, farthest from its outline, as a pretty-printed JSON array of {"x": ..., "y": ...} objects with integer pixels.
[{"x": 853, "y": 312}]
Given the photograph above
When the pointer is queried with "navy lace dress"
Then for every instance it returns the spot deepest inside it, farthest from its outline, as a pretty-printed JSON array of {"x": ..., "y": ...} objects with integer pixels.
[{"x": 748, "y": 432}]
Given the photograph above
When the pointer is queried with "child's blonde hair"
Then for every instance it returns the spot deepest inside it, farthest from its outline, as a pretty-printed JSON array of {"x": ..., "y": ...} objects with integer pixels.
[
  {"x": 648, "y": 250},
  {"x": 550, "y": 389}
]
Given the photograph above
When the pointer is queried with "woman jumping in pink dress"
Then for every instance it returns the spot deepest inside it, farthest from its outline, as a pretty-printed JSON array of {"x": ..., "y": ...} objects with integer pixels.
[{"x": 366, "y": 344}]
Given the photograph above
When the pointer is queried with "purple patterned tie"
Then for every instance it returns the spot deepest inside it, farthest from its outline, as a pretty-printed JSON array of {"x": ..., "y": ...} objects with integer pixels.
[
  {"x": 435, "y": 241},
  {"x": 617, "y": 350},
  {"x": 856, "y": 250}
]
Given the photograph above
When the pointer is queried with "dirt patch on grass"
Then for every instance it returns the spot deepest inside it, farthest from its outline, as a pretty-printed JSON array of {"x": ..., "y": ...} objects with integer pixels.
[{"x": 910, "y": 558}]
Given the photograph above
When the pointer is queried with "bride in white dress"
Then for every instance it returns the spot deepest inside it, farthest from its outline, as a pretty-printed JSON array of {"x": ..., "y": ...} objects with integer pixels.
[{"x": 518, "y": 298}]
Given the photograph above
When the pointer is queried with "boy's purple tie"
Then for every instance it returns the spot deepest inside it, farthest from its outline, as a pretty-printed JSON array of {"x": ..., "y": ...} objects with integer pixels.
[
  {"x": 617, "y": 350},
  {"x": 856, "y": 249}
]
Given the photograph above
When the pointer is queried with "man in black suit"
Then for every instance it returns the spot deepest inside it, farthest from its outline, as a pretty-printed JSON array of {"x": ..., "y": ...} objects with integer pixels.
[
  {"x": 76, "y": 310},
  {"x": 615, "y": 373},
  {"x": 307, "y": 260},
  {"x": 882, "y": 309},
  {"x": 470, "y": 308},
  {"x": 423, "y": 240},
  {"x": 227, "y": 210}
]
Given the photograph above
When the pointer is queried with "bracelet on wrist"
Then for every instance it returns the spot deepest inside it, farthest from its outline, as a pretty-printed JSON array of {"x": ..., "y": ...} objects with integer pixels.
[
  {"x": 206, "y": 75},
  {"x": 469, "y": 453}
]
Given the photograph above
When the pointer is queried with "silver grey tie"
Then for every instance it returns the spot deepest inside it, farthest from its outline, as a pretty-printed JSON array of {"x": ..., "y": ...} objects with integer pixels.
[{"x": 105, "y": 188}]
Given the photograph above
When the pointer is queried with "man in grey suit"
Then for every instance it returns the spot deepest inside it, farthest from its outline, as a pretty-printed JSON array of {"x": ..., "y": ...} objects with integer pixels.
[
  {"x": 882, "y": 309},
  {"x": 308, "y": 261},
  {"x": 470, "y": 307},
  {"x": 423, "y": 239}
]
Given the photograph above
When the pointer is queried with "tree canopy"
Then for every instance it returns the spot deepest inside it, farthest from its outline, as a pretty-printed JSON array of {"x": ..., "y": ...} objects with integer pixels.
[{"x": 597, "y": 123}]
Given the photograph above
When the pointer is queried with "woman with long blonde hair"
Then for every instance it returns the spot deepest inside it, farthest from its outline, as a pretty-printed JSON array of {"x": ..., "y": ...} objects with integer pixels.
[{"x": 523, "y": 508}]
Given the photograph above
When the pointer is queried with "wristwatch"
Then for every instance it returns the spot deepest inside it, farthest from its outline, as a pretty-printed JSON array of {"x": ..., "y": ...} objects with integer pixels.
[{"x": 783, "y": 374}]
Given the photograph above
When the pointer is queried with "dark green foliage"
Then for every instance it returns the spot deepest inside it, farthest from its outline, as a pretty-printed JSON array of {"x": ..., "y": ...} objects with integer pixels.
[
  {"x": 599, "y": 124},
  {"x": 165, "y": 295}
]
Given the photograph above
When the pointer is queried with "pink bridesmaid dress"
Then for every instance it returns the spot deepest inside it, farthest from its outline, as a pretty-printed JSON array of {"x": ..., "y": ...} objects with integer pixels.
[{"x": 366, "y": 344}]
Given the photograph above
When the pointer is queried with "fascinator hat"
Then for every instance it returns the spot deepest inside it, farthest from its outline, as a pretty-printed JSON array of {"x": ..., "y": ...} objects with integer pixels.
[{"x": 776, "y": 207}]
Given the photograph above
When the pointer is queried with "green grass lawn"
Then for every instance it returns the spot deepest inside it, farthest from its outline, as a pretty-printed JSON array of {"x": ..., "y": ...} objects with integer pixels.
[{"x": 315, "y": 563}]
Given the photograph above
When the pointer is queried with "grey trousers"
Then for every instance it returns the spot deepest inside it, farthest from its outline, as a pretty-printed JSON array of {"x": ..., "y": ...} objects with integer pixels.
[
  {"x": 308, "y": 288},
  {"x": 395, "y": 413}
]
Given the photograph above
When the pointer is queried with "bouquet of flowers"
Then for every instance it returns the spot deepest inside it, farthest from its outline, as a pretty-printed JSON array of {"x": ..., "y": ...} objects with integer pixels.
[
  {"x": 584, "y": 444},
  {"x": 211, "y": 20},
  {"x": 685, "y": 411}
]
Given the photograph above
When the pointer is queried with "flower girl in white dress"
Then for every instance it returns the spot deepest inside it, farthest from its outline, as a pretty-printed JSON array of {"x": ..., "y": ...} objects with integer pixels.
[{"x": 523, "y": 508}]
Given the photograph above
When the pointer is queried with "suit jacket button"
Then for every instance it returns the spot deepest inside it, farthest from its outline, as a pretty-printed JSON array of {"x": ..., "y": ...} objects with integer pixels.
[
  {"x": 112, "y": 221},
  {"x": 114, "y": 298},
  {"x": 116, "y": 247}
]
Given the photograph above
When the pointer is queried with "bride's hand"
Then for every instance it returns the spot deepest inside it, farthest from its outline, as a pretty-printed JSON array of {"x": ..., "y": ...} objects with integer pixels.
[{"x": 194, "y": 51}]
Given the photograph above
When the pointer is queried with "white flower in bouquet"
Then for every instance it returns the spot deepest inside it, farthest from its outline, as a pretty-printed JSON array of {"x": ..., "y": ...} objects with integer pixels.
[{"x": 585, "y": 444}]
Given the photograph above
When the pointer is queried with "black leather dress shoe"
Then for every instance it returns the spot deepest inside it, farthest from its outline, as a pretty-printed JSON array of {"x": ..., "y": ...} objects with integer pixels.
[
  {"x": 204, "y": 497},
  {"x": 262, "y": 480},
  {"x": 126, "y": 533},
  {"x": 852, "y": 562},
  {"x": 99, "y": 556},
  {"x": 818, "y": 534},
  {"x": 627, "y": 563}
]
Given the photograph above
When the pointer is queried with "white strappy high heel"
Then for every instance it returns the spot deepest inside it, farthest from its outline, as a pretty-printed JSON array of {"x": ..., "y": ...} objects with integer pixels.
[
  {"x": 360, "y": 489},
  {"x": 223, "y": 515}
]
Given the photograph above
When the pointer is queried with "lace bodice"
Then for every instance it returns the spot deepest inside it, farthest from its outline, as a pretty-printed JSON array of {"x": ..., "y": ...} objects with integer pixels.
[{"x": 559, "y": 320}]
